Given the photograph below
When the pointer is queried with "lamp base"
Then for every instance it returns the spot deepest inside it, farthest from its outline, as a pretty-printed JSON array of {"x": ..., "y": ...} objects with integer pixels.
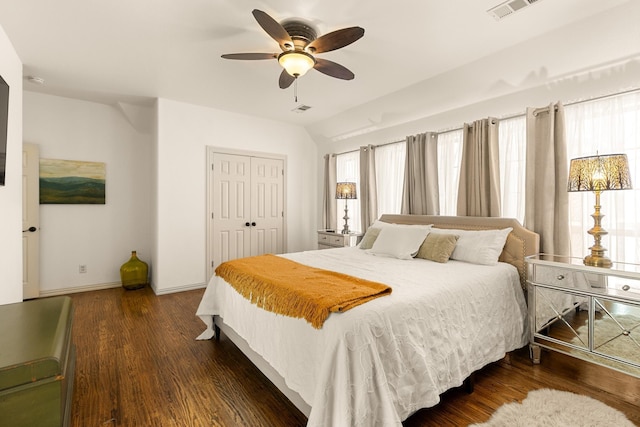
[
  {"x": 597, "y": 258},
  {"x": 345, "y": 229},
  {"x": 597, "y": 261}
]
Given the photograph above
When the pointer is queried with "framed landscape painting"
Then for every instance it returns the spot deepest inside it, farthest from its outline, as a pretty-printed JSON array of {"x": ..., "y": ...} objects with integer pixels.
[{"x": 72, "y": 182}]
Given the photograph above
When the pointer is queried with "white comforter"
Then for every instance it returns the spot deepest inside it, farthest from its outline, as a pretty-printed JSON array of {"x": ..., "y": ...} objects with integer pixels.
[{"x": 380, "y": 362}]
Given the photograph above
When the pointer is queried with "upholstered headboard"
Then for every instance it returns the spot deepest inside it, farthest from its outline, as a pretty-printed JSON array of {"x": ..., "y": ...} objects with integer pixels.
[{"x": 520, "y": 242}]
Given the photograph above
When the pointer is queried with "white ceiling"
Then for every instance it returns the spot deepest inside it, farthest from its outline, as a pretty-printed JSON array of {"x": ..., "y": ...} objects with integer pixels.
[{"x": 137, "y": 50}]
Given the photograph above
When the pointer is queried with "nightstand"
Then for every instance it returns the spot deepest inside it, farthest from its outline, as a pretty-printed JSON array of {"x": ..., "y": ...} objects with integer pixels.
[
  {"x": 592, "y": 313},
  {"x": 330, "y": 239}
]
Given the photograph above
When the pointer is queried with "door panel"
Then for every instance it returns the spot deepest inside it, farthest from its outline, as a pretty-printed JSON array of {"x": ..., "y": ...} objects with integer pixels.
[
  {"x": 230, "y": 207},
  {"x": 267, "y": 205}
]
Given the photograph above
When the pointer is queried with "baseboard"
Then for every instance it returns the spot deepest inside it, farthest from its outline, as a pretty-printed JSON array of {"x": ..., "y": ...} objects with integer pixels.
[
  {"x": 100, "y": 286},
  {"x": 76, "y": 289},
  {"x": 178, "y": 288}
]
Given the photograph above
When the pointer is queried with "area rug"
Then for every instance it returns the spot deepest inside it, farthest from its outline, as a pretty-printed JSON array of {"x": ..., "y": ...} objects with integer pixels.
[{"x": 554, "y": 408}]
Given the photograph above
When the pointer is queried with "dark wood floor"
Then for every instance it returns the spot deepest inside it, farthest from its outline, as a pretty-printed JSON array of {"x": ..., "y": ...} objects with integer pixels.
[{"x": 139, "y": 365}]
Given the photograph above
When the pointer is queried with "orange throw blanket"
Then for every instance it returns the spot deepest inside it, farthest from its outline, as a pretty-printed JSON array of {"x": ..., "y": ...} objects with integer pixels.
[{"x": 296, "y": 290}]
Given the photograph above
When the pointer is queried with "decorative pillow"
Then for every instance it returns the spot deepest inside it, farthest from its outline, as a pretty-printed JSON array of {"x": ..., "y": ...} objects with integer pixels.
[
  {"x": 400, "y": 242},
  {"x": 437, "y": 247},
  {"x": 369, "y": 237},
  {"x": 373, "y": 231},
  {"x": 477, "y": 246}
]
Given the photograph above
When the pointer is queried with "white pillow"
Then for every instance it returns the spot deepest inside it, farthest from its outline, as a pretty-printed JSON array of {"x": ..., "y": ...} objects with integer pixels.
[
  {"x": 398, "y": 241},
  {"x": 370, "y": 236},
  {"x": 477, "y": 246}
]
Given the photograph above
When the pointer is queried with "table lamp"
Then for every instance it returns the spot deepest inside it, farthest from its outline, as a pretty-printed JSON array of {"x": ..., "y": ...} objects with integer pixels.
[
  {"x": 599, "y": 173},
  {"x": 346, "y": 191}
]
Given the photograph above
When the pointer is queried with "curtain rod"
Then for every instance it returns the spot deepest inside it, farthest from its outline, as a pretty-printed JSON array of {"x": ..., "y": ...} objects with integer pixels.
[
  {"x": 376, "y": 146},
  {"x": 582, "y": 101},
  {"x": 513, "y": 116}
]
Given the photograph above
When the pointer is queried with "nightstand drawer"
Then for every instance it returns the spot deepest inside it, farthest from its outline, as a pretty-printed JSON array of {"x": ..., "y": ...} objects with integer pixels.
[
  {"x": 555, "y": 276},
  {"x": 622, "y": 286},
  {"x": 328, "y": 239}
]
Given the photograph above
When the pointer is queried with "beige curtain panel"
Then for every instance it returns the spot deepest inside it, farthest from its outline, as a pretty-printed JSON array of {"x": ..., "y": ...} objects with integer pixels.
[
  {"x": 368, "y": 189},
  {"x": 420, "y": 192},
  {"x": 546, "y": 179},
  {"x": 479, "y": 187},
  {"x": 329, "y": 213}
]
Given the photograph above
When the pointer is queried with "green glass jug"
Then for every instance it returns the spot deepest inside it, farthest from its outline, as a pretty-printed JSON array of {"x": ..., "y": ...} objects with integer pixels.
[{"x": 134, "y": 273}]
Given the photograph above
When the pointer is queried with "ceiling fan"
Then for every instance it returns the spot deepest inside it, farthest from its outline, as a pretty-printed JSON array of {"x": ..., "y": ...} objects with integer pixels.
[{"x": 299, "y": 44}]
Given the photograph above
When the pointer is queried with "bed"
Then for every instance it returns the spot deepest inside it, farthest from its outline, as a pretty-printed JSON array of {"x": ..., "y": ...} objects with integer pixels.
[{"x": 380, "y": 362}]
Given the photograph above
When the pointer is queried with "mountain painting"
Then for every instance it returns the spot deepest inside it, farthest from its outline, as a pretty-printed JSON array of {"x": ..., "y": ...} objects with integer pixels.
[{"x": 72, "y": 182}]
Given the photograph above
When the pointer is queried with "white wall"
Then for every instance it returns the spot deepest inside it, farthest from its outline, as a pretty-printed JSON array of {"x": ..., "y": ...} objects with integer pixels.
[
  {"x": 98, "y": 236},
  {"x": 592, "y": 57},
  {"x": 184, "y": 132},
  {"x": 11, "y": 192}
]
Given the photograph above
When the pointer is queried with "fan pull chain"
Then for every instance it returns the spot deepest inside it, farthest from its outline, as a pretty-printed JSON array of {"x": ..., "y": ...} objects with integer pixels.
[{"x": 295, "y": 90}]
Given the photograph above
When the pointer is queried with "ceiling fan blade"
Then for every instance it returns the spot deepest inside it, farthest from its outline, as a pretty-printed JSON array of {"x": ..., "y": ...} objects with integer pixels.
[
  {"x": 336, "y": 39},
  {"x": 250, "y": 56},
  {"x": 333, "y": 69},
  {"x": 285, "y": 79},
  {"x": 272, "y": 27}
]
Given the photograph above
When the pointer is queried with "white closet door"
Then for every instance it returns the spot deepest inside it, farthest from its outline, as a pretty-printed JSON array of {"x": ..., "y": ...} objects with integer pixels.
[
  {"x": 246, "y": 206},
  {"x": 230, "y": 206},
  {"x": 267, "y": 205}
]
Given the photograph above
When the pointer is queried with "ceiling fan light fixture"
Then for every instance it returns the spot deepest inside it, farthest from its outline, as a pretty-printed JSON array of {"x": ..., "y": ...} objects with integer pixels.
[{"x": 296, "y": 63}]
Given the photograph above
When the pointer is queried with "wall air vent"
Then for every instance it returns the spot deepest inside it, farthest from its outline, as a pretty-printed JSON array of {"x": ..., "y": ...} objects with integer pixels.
[
  {"x": 509, "y": 7},
  {"x": 301, "y": 108}
]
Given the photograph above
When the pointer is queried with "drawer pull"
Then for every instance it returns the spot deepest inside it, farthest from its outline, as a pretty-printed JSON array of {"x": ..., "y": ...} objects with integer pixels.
[
  {"x": 560, "y": 277},
  {"x": 626, "y": 287}
]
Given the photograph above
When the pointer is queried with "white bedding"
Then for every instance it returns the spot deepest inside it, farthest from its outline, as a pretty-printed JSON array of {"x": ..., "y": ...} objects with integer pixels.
[{"x": 378, "y": 363}]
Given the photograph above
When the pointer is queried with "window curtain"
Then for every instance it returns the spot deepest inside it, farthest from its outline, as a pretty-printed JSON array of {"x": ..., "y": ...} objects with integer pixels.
[
  {"x": 329, "y": 212},
  {"x": 479, "y": 187},
  {"x": 546, "y": 198},
  {"x": 390, "y": 163},
  {"x": 368, "y": 192},
  {"x": 607, "y": 126},
  {"x": 420, "y": 194}
]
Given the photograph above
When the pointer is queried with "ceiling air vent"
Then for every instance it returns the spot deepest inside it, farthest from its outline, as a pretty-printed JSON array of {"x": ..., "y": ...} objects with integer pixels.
[
  {"x": 301, "y": 108},
  {"x": 507, "y": 8}
]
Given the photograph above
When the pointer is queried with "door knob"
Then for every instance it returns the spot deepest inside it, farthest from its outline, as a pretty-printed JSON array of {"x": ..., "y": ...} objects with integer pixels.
[
  {"x": 246, "y": 224},
  {"x": 253, "y": 224},
  {"x": 30, "y": 229}
]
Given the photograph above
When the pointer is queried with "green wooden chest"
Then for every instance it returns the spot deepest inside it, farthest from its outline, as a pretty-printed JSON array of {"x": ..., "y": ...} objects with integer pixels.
[{"x": 37, "y": 362}]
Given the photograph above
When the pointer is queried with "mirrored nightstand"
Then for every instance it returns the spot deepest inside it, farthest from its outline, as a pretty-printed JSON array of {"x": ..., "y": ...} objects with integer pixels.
[{"x": 588, "y": 312}]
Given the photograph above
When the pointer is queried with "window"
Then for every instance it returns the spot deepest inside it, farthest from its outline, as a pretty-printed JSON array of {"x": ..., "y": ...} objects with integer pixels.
[
  {"x": 390, "y": 164},
  {"x": 512, "y": 141},
  {"x": 449, "y": 160}
]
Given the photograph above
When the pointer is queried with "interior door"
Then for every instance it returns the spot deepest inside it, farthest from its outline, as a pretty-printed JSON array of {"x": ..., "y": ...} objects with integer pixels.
[
  {"x": 267, "y": 205},
  {"x": 246, "y": 199},
  {"x": 30, "y": 221},
  {"x": 230, "y": 207}
]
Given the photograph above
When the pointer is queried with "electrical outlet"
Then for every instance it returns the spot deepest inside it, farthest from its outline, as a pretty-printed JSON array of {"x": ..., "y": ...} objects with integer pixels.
[{"x": 82, "y": 268}]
